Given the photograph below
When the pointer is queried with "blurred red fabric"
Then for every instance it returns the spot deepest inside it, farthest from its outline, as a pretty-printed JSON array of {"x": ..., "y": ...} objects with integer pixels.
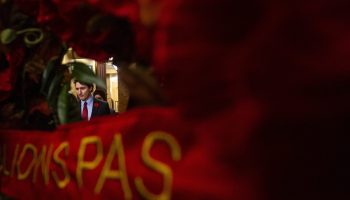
[{"x": 260, "y": 95}]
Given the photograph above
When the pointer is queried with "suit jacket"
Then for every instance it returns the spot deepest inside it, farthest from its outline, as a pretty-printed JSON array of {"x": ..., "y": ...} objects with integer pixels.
[{"x": 99, "y": 108}]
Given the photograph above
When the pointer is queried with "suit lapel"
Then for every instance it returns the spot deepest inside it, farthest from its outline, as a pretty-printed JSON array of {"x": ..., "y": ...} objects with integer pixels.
[
  {"x": 80, "y": 109},
  {"x": 94, "y": 108}
]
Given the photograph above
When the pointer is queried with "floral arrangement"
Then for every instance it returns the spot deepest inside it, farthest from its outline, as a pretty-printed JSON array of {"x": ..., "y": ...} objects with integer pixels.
[{"x": 35, "y": 35}]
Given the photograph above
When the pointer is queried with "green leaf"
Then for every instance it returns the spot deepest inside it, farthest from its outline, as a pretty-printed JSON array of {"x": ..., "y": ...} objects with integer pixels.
[
  {"x": 8, "y": 35},
  {"x": 48, "y": 74},
  {"x": 62, "y": 104},
  {"x": 73, "y": 108},
  {"x": 67, "y": 106},
  {"x": 54, "y": 89},
  {"x": 83, "y": 73}
]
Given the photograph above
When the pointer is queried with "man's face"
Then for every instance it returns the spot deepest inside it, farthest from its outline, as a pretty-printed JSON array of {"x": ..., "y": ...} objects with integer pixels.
[{"x": 83, "y": 91}]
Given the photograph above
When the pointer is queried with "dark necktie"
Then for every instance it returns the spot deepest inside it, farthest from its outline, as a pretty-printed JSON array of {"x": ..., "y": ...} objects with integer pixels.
[{"x": 84, "y": 115}]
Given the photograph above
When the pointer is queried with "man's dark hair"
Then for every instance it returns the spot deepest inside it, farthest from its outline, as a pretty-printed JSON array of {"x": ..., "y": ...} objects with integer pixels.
[
  {"x": 90, "y": 85},
  {"x": 102, "y": 93}
]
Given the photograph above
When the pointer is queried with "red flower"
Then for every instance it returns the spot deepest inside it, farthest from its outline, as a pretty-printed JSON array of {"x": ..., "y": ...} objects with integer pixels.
[
  {"x": 96, "y": 104},
  {"x": 8, "y": 76},
  {"x": 106, "y": 27}
]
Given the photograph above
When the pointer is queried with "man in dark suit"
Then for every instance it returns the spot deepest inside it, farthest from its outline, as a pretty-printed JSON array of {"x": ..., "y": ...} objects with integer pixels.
[{"x": 89, "y": 106}]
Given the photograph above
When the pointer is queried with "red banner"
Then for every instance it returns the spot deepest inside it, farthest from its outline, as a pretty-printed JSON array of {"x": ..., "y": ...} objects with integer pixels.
[{"x": 145, "y": 154}]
